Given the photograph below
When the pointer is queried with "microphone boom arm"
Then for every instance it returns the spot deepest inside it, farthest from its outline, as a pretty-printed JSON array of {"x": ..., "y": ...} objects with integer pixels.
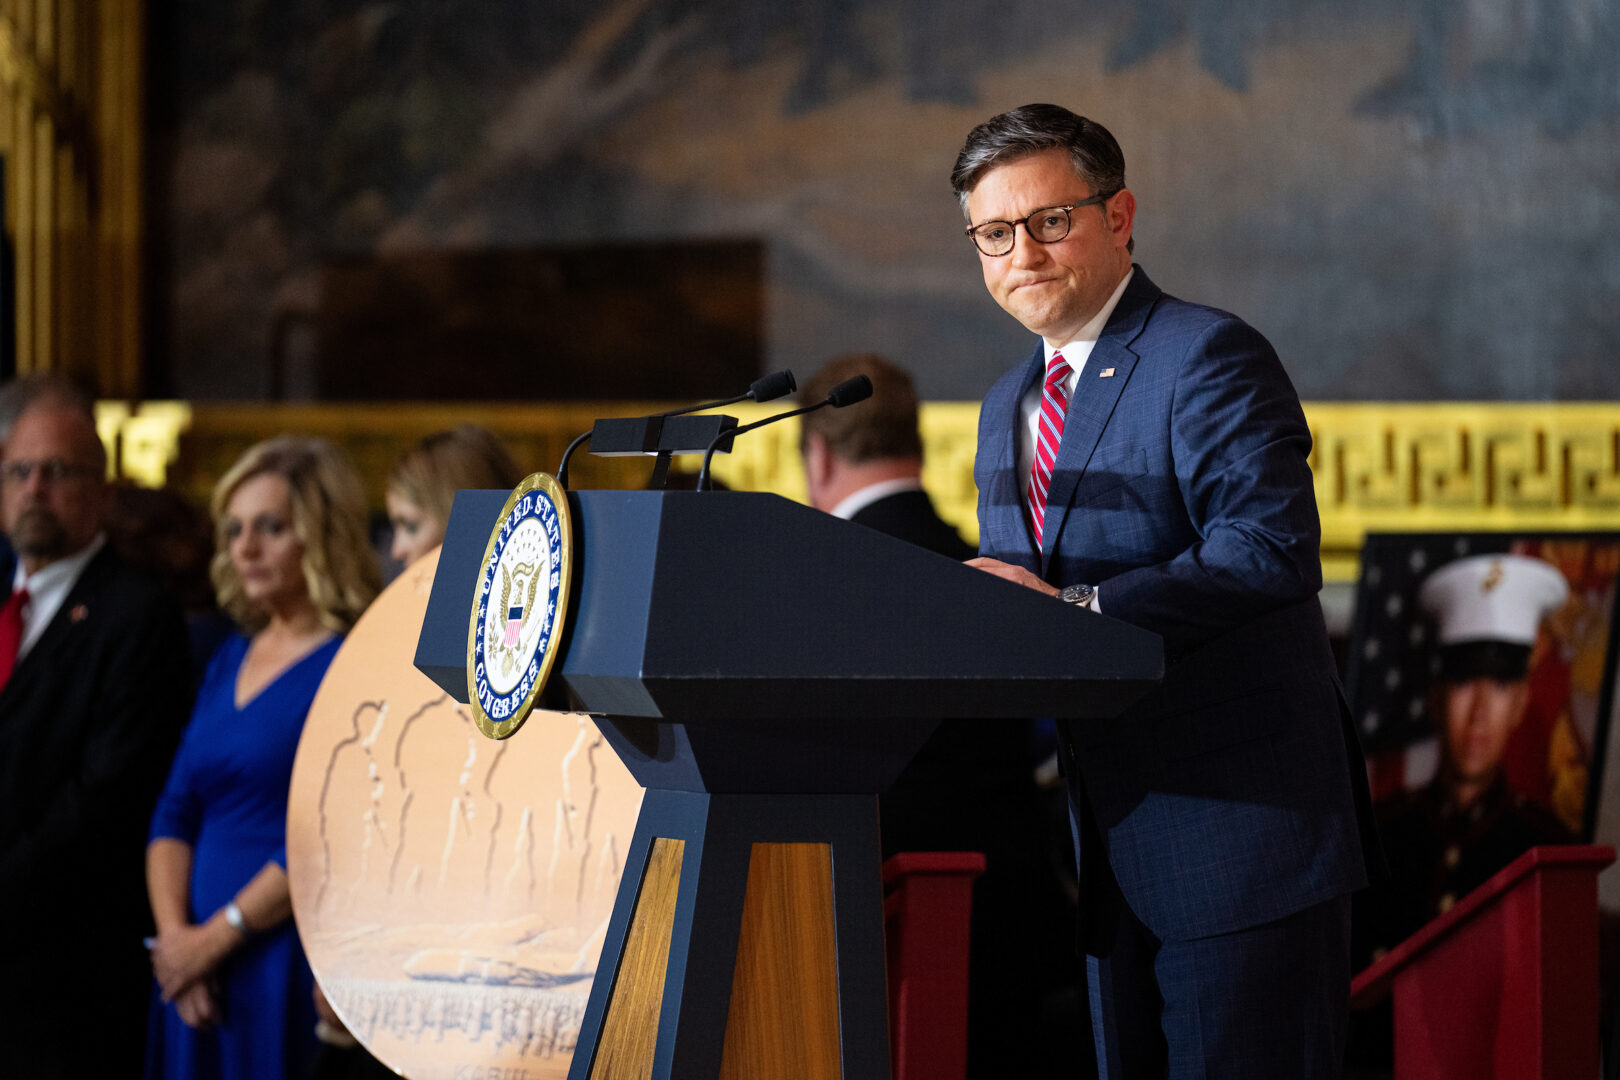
[
  {"x": 708, "y": 455},
  {"x": 845, "y": 393}
]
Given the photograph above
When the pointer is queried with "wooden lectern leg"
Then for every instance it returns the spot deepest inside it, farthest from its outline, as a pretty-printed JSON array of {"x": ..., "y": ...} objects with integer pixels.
[
  {"x": 746, "y": 942},
  {"x": 784, "y": 993},
  {"x": 630, "y": 1028}
]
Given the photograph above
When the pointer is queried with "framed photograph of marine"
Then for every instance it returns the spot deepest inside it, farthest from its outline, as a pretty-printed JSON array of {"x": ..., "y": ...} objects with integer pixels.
[{"x": 1482, "y": 666}]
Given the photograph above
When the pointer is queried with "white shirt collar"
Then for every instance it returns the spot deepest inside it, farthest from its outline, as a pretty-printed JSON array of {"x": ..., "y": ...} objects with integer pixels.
[
  {"x": 48, "y": 588},
  {"x": 860, "y": 500},
  {"x": 1076, "y": 352}
]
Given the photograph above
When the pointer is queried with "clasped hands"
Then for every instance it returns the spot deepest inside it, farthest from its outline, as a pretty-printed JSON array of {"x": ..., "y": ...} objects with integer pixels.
[{"x": 184, "y": 960}]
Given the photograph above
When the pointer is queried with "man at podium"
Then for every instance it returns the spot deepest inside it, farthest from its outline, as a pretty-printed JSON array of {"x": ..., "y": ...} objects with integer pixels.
[{"x": 1148, "y": 460}]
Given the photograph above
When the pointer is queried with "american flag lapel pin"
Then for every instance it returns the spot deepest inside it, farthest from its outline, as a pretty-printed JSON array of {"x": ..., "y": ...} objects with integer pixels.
[
  {"x": 1106, "y": 373},
  {"x": 79, "y": 613}
]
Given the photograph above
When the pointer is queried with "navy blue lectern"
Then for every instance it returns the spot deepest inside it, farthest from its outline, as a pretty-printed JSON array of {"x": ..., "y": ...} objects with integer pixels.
[{"x": 764, "y": 669}]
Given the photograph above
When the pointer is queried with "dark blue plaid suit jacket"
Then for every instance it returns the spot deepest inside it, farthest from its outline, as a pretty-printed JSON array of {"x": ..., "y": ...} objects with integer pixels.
[{"x": 1235, "y": 793}]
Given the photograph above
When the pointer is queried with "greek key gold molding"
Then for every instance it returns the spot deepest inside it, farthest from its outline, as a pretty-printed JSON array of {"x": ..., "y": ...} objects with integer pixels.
[
  {"x": 1378, "y": 466},
  {"x": 1460, "y": 466}
]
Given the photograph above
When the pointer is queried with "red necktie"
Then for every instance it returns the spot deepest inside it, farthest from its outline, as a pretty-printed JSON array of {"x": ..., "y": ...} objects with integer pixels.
[
  {"x": 1054, "y": 402},
  {"x": 11, "y": 633}
]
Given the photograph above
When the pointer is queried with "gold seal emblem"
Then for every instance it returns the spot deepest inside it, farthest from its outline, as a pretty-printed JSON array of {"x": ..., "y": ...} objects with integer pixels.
[{"x": 520, "y": 605}]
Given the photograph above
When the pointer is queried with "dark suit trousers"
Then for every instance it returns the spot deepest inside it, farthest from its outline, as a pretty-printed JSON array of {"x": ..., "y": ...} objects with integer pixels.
[{"x": 1269, "y": 1001}]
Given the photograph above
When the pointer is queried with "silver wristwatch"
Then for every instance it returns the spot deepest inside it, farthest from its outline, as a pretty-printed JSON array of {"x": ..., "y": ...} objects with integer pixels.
[{"x": 1080, "y": 595}]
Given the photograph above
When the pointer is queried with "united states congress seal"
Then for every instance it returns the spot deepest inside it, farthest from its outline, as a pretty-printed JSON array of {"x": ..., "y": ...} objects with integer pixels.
[{"x": 520, "y": 605}]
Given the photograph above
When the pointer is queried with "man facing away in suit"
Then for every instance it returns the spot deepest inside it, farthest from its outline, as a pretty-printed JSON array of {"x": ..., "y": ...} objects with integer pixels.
[
  {"x": 865, "y": 464},
  {"x": 971, "y": 786},
  {"x": 1148, "y": 460},
  {"x": 94, "y": 690}
]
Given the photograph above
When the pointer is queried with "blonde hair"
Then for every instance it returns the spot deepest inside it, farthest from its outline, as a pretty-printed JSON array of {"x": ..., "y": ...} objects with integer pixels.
[
  {"x": 329, "y": 519},
  {"x": 430, "y": 473}
]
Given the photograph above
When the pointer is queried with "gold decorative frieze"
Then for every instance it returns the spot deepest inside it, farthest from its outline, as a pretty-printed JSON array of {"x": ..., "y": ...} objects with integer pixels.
[
  {"x": 1460, "y": 466},
  {"x": 1379, "y": 467}
]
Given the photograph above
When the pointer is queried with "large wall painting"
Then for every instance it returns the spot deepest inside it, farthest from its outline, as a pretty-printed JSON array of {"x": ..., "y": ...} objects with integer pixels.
[{"x": 1413, "y": 198}]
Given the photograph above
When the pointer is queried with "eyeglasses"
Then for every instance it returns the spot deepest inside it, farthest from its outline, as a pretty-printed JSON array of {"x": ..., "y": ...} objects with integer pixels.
[
  {"x": 1047, "y": 226},
  {"x": 51, "y": 470}
]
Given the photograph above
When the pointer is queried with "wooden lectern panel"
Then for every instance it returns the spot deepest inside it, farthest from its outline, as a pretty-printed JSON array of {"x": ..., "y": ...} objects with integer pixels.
[
  {"x": 784, "y": 992},
  {"x": 630, "y": 1028}
]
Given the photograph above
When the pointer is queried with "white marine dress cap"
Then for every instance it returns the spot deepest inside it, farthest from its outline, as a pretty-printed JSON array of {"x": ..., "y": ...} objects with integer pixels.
[{"x": 1493, "y": 598}]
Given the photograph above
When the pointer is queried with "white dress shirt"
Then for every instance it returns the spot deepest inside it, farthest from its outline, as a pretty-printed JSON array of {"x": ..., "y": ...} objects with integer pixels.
[{"x": 48, "y": 588}]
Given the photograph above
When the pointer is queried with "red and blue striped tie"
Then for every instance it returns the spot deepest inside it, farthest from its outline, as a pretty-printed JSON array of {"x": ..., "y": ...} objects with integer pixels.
[{"x": 1054, "y": 402}]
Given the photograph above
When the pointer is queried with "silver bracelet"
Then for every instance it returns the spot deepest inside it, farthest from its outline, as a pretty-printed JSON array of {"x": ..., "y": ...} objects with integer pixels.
[{"x": 233, "y": 915}]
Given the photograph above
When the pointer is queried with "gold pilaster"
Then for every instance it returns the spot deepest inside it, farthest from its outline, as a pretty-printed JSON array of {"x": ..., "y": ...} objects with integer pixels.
[{"x": 71, "y": 92}]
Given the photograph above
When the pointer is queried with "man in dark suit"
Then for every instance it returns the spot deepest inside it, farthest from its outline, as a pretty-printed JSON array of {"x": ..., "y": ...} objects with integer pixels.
[
  {"x": 1148, "y": 460},
  {"x": 93, "y": 694},
  {"x": 865, "y": 464},
  {"x": 971, "y": 786}
]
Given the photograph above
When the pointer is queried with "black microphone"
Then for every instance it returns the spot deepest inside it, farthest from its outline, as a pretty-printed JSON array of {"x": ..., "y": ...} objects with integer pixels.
[
  {"x": 845, "y": 393},
  {"x": 766, "y": 388},
  {"x": 848, "y": 392}
]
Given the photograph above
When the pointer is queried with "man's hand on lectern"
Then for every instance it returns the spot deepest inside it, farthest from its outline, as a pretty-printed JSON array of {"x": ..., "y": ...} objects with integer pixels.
[{"x": 1015, "y": 574}]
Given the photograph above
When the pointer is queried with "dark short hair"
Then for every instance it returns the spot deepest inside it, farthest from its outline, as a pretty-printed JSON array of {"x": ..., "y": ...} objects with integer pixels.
[
  {"x": 885, "y": 426},
  {"x": 1031, "y": 129}
]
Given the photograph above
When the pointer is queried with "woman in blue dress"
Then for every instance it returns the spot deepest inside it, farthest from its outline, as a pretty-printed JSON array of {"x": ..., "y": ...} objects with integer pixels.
[{"x": 294, "y": 569}]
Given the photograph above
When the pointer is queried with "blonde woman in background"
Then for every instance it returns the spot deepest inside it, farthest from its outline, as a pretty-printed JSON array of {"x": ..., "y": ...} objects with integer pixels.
[
  {"x": 424, "y": 481},
  {"x": 294, "y": 569}
]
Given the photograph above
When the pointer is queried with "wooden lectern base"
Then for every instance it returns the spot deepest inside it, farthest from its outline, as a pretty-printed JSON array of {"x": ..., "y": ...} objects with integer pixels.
[
  {"x": 742, "y": 944},
  {"x": 784, "y": 992},
  {"x": 629, "y": 1033}
]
